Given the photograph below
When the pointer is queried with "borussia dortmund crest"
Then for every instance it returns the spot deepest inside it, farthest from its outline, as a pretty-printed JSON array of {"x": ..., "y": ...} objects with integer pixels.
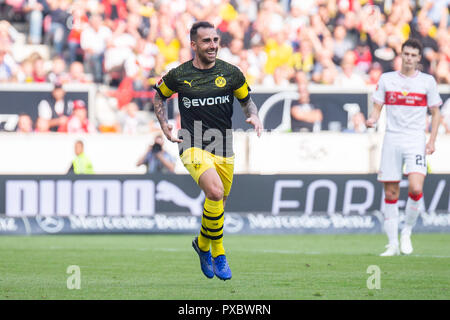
[{"x": 220, "y": 82}]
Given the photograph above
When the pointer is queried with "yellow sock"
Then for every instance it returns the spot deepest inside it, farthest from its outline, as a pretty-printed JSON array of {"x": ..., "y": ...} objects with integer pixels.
[
  {"x": 212, "y": 223},
  {"x": 204, "y": 243}
]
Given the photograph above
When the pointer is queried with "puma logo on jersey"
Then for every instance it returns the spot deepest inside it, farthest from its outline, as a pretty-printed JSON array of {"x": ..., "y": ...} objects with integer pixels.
[{"x": 189, "y": 83}]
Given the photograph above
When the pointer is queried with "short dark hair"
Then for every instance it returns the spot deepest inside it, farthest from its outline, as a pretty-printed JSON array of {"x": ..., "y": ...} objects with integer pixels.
[
  {"x": 413, "y": 43},
  {"x": 196, "y": 26}
]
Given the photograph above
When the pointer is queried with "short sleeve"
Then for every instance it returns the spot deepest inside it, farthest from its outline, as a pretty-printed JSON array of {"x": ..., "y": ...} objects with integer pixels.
[
  {"x": 166, "y": 86},
  {"x": 241, "y": 89},
  {"x": 433, "y": 97},
  {"x": 380, "y": 91}
]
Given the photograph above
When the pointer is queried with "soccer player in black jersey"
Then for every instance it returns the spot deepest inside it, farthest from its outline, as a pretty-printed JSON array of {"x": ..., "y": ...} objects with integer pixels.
[{"x": 206, "y": 88}]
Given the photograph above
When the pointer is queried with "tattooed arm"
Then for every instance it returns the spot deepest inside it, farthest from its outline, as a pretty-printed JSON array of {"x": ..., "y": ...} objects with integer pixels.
[
  {"x": 251, "y": 112},
  {"x": 160, "y": 111}
]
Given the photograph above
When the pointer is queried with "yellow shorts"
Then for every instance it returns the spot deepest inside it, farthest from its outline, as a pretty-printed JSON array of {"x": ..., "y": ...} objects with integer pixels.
[{"x": 198, "y": 161}]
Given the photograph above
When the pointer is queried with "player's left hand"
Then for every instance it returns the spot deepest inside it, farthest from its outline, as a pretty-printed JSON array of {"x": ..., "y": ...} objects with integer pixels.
[
  {"x": 254, "y": 120},
  {"x": 371, "y": 122},
  {"x": 430, "y": 148}
]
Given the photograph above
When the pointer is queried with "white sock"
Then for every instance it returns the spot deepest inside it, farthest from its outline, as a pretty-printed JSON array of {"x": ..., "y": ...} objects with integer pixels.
[
  {"x": 412, "y": 211},
  {"x": 391, "y": 222}
]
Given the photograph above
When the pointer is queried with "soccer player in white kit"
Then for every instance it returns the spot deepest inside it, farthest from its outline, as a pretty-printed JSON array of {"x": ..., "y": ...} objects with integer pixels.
[{"x": 406, "y": 94}]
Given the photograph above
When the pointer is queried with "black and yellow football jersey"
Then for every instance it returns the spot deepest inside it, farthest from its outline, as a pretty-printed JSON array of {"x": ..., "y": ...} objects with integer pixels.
[{"x": 205, "y": 100}]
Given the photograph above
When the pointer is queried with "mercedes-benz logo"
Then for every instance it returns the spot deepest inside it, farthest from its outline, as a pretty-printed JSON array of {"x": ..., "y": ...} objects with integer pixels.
[
  {"x": 233, "y": 222},
  {"x": 50, "y": 224}
]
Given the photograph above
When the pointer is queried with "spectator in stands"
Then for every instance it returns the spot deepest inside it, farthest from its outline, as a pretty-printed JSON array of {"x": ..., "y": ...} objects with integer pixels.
[
  {"x": 270, "y": 11},
  {"x": 374, "y": 75},
  {"x": 397, "y": 63},
  {"x": 283, "y": 31},
  {"x": 341, "y": 44},
  {"x": 305, "y": 117},
  {"x": 280, "y": 77},
  {"x": 328, "y": 76},
  {"x": 435, "y": 9},
  {"x": 93, "y": 42},
  {"x": 81, "y": 164},
  {"x": 347, "y": 76},
  {"x": 297, "y": 20},
  {"x": 156, "y": 159},
  {"x": 58, "y": 74},
  {"x": 358, "y": 124},
  {"x": 114, "y": 11},
  {"x": 248, "y": 8},
  {"x": 78, "y": 122},
  {"x": 42, "y": 125},
  {"x": 79, "y": 20},
  {"x": 8, "y": 34},
  {"x": 24, "y": 124},
  {"x": 443, "y": 38},
  {"x": 279, "y": 52},
  {"x": 55, "y": 109},
  {"x": 423, "y": 33},
  {"x": 363, "y": 57},
  {"x": 6, "y": 66},
  {"x": 77, "y": 74},
  {"x": 132, "y": 120},
  {"x": 304, "y": 58},
  {"x": 379, "y": 49},
  {"x": 232, "y": 53},
  {"x": 25, "y": 73},
  {"x": 168, "y": 46},
  {"x": 39, "y": 70},
  {"x": 351, "y": 25},
  {"x": 57, "y": 32},
  {"x": 119, "y": 48},
  {"x": 35, "y": 10},
  {"x": 443, "y": 70},
  {"x": 323, "y": 65},
  {"x": 257, "y": 58},
  {"x": 143, "y": 9}
]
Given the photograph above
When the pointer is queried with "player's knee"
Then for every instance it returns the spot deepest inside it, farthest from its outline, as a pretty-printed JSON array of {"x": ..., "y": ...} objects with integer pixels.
[
  {"x": 415, "y": 190},
  {"x": 391, "y": 194},
  {"x": 215, "y": 193}
]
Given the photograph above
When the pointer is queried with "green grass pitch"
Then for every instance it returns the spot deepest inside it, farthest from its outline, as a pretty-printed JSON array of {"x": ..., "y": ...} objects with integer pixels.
[{"x": 273, "y": 267}]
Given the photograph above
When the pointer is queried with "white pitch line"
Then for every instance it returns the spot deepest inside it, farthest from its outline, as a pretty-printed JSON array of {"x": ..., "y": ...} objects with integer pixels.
[
  {"x": 429, "y": 256},
  {"x": 268, "y": 251},
  {"x": 169, "y": 249}
]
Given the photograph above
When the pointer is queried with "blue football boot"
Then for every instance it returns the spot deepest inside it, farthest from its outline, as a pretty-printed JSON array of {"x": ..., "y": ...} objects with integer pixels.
[
  {"x": 205, "y": 260},
  {"x": 221, "y": 268}
]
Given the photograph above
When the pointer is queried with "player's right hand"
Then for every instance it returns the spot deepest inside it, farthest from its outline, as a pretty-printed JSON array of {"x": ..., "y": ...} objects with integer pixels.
[{"x": 167, "y": 130}]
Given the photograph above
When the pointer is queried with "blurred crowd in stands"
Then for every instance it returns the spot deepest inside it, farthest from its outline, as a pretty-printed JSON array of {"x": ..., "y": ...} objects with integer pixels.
[{"x": 129, "y": 44}]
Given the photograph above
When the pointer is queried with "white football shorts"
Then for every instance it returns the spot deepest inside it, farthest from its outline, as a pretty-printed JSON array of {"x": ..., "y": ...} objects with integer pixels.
[{"x": 402, "y": 154}]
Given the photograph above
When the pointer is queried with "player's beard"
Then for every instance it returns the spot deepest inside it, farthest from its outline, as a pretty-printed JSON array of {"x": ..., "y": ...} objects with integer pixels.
[{"x": 205, "y": 58}]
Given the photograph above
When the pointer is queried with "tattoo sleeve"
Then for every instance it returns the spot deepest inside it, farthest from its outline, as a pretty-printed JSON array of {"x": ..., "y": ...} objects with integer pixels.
[
  {"x": 160, "y": 109},
  {"x": 249, "y": 108}
]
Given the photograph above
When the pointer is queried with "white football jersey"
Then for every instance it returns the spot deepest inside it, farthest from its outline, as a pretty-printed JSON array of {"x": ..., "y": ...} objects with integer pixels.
[{"x": 406, "y": 100}]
